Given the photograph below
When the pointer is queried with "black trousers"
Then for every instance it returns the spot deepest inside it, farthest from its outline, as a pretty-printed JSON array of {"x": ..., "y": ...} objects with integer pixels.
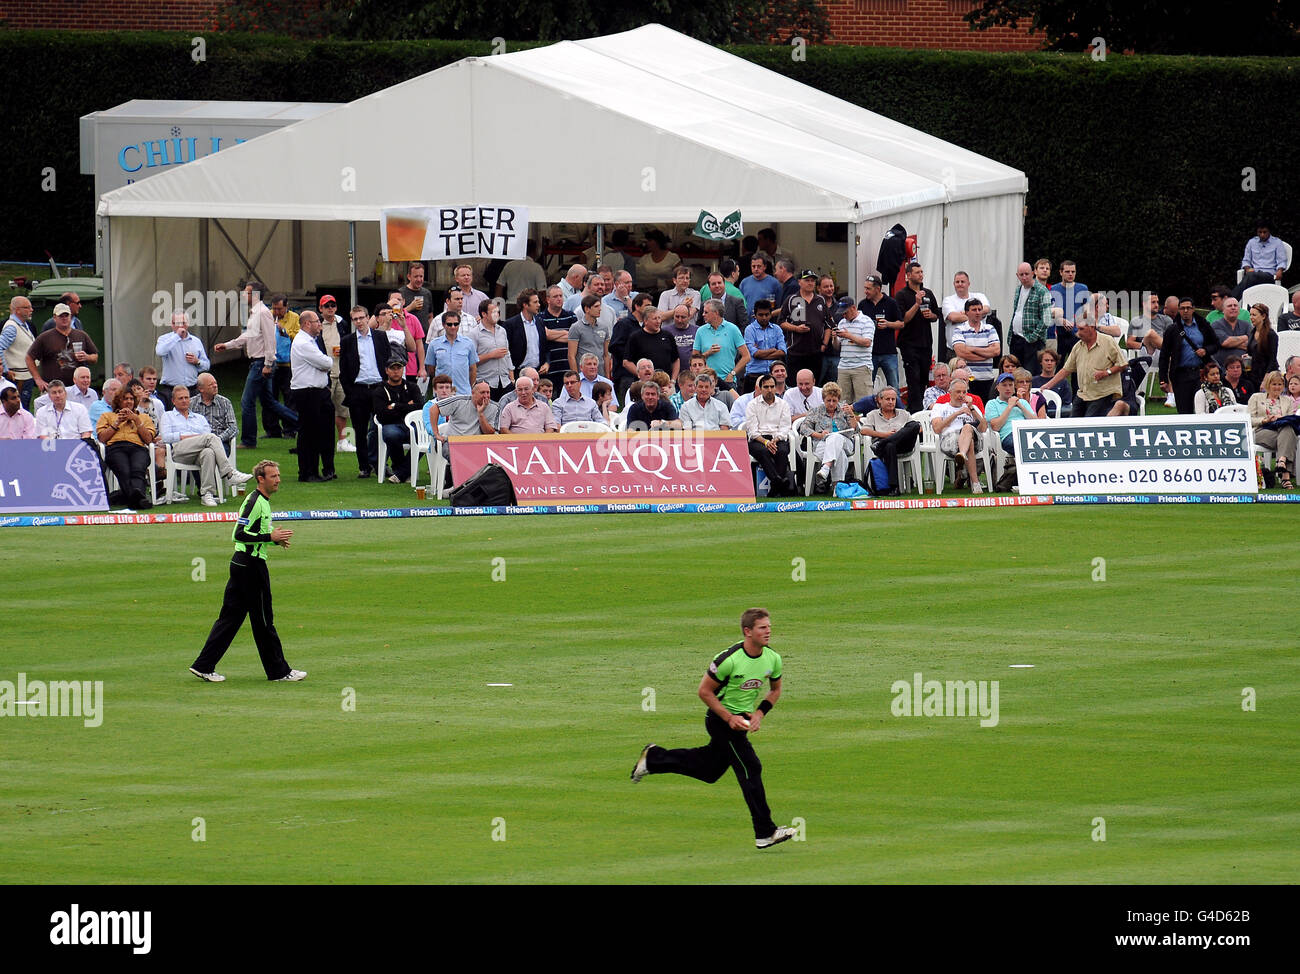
[
  {"x": 282, "y": 391},
  {"x": 316, "y": 437},
  {"x": 248, "y": 593},
  {"x": 916, "y": 370},
  {"x": 982, "y": 388},
  {"x": 1089, "y": 408},
  {"x": 775, "y": 465},
  {"x": 726, "y": 749},
  {"x": 889, "y": 447},
  {"x": 1186, "y": 382},
  {"x": 797, "y": 363},
  {"x": 130, "y": 464},
  {"x": 361, "y": 407}
]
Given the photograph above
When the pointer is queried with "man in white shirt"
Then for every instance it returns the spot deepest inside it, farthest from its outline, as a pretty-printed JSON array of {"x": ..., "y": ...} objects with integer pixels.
[
  {"x": 311, "y": 394},
  {"x": 81, "y": 392},
  {"x": 61, "y": 418},
  {"x": 681, "y": 293},
  {"x": 767, "y": 424},
  {"x": 805, "y": 397},
  {"x": 193, "y": 443},
  {"x": 702, "y": 411},
  {"x": 954, "y": 309}
]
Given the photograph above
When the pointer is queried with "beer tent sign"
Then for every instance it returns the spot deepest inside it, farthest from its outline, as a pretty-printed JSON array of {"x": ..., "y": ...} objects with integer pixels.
[{"x": 454, "y": 232}]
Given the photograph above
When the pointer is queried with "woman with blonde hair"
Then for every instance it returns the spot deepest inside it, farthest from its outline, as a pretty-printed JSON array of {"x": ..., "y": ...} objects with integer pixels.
[{"x": 1267, "y": 409}]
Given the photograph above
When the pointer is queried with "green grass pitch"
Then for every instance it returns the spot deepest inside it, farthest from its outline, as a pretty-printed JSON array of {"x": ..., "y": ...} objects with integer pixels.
[{"x": 1132, "y": 712}]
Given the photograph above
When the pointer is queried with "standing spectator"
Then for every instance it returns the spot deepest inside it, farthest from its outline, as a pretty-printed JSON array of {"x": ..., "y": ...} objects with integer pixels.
[
  {"x": 183, "y": 358},
  {"x": 765, "y": 342},
  {"x": 555, "y": 322},
  {"x": 883, "y": 310},
  {"x": 760, "y": 285},
  {"x": 365, "y": 353},
  {"x": 856, "y": 333},
  {"x": 286, "y": 330},
  {"x": 520, "y": 275},
  {"x": 310, "y": 384},
  {"x": 954, "y": 309},
  {"x": 56, "y": 353},
  {"x": 417, "y": 299},
  {"x": 804, "y": 317},
  {"x": 633, "y": 324},
  {"x": 1232, "y": 330},
  {"x": 526, "y": 334},
  {"x": 920, "y": 309},
  {"x": 492, "y": 346},
  {"x": 258, "y": 342},
  {"x": 464, "y": 276},
  {"x": 653, "y": 343},
  {"x": 16, "y": 338},
  {"x": 733, "y": 305},
  {"x": 332, "y": 331},
  {"x": 656, "y": 269},
  {"x": 1031, "y": 313},
  {"x": 620, "y": 297},
  {"x": 1263, "y": 344},
  {"x": 1067, "y": 294},
  {"x": 1188, "y": 343},
  {"x": 680, "y": 293},
  {"x": 588, "y": 335},
  {"x": 683, "y": 330},
  {"x": 73, "y": 300},
  {"x": 1099, "y": 363},
  {"x": 977, "y": 345},
  {"x": 454, "y": 354},
  {"x": 722, "y": 344}
]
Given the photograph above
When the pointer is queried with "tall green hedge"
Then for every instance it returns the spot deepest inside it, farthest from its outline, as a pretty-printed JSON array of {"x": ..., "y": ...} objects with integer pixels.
[{"x": 1135, "y": 164}]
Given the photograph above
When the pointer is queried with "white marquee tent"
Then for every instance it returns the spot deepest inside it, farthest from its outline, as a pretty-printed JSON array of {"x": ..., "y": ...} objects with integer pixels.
[{"x": 648, "y": 126}]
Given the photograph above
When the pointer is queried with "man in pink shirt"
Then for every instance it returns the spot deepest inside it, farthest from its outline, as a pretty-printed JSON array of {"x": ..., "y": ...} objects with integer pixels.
[
  {"x": 16, "y": 423},
  {"x": 527, "y": 414}
]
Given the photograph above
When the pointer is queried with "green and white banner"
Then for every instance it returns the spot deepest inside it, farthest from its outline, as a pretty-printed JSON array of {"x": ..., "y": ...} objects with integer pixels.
[
  {"x": 1209, "y": 454},
  {"x": 710, "y": 227}
]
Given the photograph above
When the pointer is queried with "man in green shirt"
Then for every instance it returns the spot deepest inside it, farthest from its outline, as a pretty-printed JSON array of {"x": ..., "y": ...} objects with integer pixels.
[
  {"x": 729, "y": 689},
  {"x": 248, "y": 593}
]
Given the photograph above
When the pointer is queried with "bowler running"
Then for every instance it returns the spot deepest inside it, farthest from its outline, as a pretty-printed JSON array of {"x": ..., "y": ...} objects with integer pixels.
[{"x": 729, "y": 689}]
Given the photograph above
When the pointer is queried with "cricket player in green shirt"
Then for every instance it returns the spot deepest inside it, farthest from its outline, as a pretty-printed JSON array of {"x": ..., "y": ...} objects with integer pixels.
[
  {"x": 248, "y": 593},
  {"x": 729, "y": 689}
]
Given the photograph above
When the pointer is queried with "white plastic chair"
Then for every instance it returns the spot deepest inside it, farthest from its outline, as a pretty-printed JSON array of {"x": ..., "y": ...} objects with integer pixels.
[
  {"x": 175, "y": 467},
  {"x": 1273, "y": 295},
  {"x": 940, "y": 462},
  {"x": 1288, "y": 344},
  {"x": 1265, "y": 454},
  {"x": 383, "y": 450},
  {"x": 619, "y": 420},
  {"x": 422, "y": 444},
  {"x": 1053, "y": 397},
  {"x": 910, "y": 470},
  {"x": 802, "y": 447},
  {"x": 1290, "y": 252},
  {"x": 584, "y": 426}
]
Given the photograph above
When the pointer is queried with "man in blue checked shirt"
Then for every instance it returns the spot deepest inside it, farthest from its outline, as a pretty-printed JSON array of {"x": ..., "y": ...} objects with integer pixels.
[{"x": 766, "y": 344}]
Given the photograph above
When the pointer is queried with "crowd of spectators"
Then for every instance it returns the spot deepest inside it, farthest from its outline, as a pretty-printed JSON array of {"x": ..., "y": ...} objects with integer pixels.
[{"x": 681, "y": 353}]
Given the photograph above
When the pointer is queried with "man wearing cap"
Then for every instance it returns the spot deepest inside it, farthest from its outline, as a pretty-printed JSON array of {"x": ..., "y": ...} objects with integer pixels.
[
  {"x": 73, "y": 300},
  {"x": 856, "y": 332},
  {"x": 881, "y": 308},
  {"x": 393, "y": 399},
  {"x": 804, "y": 318},
  {"x": 1007, "y": 409},
  {"x": 183, "y": 358},
  {"x": 56, "y": 353},
  {"x": 453, "y": 354},
  {"x": 332, "y": 331},
  {"x": 363, "y": 358},
  {"x": 1099, "y": 363},
  {"x": 16, "y": 338},
  {"x": 310, "y": 384},
  {"x": 920, "y": 310}
]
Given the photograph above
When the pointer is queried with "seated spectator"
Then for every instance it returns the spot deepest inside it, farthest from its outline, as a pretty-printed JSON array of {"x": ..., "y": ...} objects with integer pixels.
[
  {"x": 1008, "y": 363},
  {"x": 62, "y": 419},
  {"x": 1025, "y": 390},
  {"x": 1048, "y": 363},
  {"x": 457, "y": 415},
  {"x": 396, "y": 396},
  {"x": 702, "y": 411},
  {"x": 805, "y": 397},
  {"x": 126, "y": 434},
  {"x": 216, "y": 409},
  {"x": 768, "y": 428},
  {"x": 573, "y": 406},
  {"x": 1234, "y": 380},
  {"x": 105, "y": 403},
  {"x": 193, "y": 443},
  {"x": 1006, "y": 410},
  {"x": 685, "y": 390},
  {"x": 831, "y": 427},
  {"x": 545, "y": 389},
  {"x": 81, "y": 393},
  {"x": 1147, "y": 331},
  {"x": 1267, "y": 409},
  {"x": 603, "y": 395},
  {"x": 528, "y": 413},
  {"x": 942, "y": 376},
  {"x": 150, "y": 406},
  {"x": 16, "y": 423},
  {"x": 963, "y": 373},
  {"x": 1263, "y": 261},
  {"x": 652, "y": 411},
  {"x": 959, "y": 424},
  {"x": 891, "y": 430},
  {"x": 1213, "y": 394},
  {"x": 1290, "y": 321},
  {"x": 665, "y": 383},
  {"x": 511, "y": 396},
  {"x": 442, "y": 388},
  {"x": 589, "y": 366}
]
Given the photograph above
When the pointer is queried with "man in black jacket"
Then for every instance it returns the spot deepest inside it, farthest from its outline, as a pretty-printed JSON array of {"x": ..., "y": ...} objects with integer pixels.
[
  {"x": 394, "y": 398},
  {"x": 527, "y": 335},
  {"x": 363, "y": 357},
  {"x": 1188, "y": 344}
]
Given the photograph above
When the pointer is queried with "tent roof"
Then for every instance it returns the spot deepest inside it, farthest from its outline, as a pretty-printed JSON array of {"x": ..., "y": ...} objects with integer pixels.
[{"x": 644, "y": 126}]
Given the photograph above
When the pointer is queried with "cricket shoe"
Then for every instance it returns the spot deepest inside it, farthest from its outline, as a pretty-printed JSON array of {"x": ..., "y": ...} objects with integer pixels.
[
  {"x": 293, "y": 676},
  {"x": 209, "y": 677},
  {"x": 780, "y": 835},
  {"x": 640, "y": 770}
]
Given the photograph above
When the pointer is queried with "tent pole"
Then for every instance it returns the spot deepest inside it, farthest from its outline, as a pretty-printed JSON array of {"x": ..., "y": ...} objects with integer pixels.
[
  {"x": 352, "y": 262},
  {"x": 851, "y": 278},
  {"x": 600, "y": 245}
]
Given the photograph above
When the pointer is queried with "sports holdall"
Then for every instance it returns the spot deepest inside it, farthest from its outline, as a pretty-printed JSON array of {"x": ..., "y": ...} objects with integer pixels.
[{"x": 489, "y": 487}]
